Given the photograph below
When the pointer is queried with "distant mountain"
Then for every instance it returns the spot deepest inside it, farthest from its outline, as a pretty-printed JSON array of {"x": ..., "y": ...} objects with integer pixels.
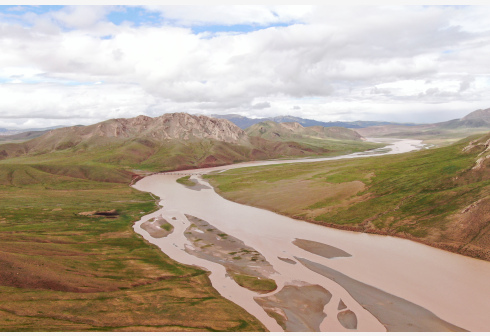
[
  {"x": 244, "y": 122},
  {"x": 475, "y": 122},
  {"x": 480, "y": 115},
  {"x": 22, "y": 136},
  {"x": 293, "y": 131},
  {"x": 6, "y": 132},
  {"x": 478, "y": 118},
  {"x": 169, "y": 142}
]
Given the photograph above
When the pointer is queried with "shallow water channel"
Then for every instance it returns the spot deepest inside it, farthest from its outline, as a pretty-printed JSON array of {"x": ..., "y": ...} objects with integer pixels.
[{"x": 368, "y": 283}]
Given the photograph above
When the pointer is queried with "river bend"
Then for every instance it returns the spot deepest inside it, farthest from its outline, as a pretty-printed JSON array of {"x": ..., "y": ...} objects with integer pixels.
[{"x": 386, "y": 283}]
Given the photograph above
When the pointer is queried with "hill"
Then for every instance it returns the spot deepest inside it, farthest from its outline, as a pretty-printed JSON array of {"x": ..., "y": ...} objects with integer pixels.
[{"x": 440, "y": 197}]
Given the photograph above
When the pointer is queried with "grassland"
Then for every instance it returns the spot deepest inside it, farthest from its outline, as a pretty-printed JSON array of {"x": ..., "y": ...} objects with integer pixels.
[
  {"x": 432, "y": 196},
  {"x": 62, "y": 271}
]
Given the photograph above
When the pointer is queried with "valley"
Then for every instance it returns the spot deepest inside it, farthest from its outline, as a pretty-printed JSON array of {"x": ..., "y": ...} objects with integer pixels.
[
  {"x": 183, "y": 168},
  {"x": 67, "y": 194}
]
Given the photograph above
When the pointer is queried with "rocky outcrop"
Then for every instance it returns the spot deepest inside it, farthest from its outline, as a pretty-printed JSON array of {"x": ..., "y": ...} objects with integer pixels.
[
  {"x": 483, "y": 146},
  {"x": 172, "y": 126}
]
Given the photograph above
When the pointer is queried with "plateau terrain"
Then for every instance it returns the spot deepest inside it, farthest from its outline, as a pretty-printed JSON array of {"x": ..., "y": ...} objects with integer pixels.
[
  {"x": 70, "y": 260},
  {"x": 306, "y": 168}
]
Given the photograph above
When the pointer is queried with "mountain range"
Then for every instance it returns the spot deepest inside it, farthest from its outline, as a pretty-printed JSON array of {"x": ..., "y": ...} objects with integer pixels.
[
  {"x": 245, "y": 122},
  {"x": 179, "y": 141},
  {"x": 6, "y": 131},
  {"x": 475, "y": 122}
]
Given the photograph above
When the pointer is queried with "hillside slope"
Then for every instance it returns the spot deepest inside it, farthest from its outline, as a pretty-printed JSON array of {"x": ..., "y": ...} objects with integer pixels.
[
  {"x": 64, "y": 270},
  {"x": 440, "y": 197}
]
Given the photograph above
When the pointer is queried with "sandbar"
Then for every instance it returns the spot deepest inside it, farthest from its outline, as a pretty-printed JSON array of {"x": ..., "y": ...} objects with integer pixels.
[
  {"x": 395, "y": 313},
  {"x": 320, "y": 249},
  {"x": 287, "y": 260},
  {"x": 243, "y": 263},
  {"x": 158, "y": 227},
  {"x": 348, "y": 319}
]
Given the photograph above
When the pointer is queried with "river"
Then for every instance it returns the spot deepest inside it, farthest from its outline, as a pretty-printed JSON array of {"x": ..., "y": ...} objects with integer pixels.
[{"x": 387, "y": 283}]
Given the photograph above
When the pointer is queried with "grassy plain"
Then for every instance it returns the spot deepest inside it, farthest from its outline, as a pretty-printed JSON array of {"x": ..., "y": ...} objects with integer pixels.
[
  {"x": 61, "y": 271},
  {"x": 421, "y": 195}
]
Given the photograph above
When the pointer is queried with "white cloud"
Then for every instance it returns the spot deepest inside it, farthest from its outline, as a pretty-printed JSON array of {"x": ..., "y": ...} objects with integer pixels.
[
  {"x": 347, "y": 62},
  {"x": 81, "y": 16}
]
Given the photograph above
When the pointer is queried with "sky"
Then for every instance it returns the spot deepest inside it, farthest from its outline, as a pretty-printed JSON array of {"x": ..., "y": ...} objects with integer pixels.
[{"x": 72, "y": 65}]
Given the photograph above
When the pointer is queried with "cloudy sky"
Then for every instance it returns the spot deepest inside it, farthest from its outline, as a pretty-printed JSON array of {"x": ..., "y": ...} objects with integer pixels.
[{"x": 67, "y": 65}]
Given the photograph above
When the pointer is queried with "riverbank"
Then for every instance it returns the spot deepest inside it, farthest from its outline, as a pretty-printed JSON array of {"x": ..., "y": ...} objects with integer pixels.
[
  {"x": 433, "y": 197},
  {"x": 451, "y": 289}
]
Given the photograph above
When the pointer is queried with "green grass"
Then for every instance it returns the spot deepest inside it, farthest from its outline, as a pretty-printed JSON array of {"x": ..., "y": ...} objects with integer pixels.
[
  {"x": 60, "y": 271},
  {"x": 413, "y": 193},
  {"x": 186, "y": 181},
  {"x": 254, "y": 283},
  {"x": 167, "y": 226}
]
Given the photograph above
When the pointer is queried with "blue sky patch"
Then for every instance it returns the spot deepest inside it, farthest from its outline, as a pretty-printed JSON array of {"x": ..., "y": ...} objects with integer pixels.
[
  {"x": 242, "y": 28},
  {"x": 136, "y": 15}
]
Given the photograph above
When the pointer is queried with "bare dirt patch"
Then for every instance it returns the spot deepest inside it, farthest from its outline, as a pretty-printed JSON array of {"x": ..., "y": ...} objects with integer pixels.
[{"x": 107, "y": 214}]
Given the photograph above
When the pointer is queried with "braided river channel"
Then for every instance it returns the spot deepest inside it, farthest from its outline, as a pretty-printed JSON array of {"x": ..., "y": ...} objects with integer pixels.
[{"x": 327, "y": 279}]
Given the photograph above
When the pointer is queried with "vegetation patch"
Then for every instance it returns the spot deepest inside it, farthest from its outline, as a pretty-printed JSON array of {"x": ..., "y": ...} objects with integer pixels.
[
  {"x": 186, "y": 181},
  {"x": 254, "y": 283}
]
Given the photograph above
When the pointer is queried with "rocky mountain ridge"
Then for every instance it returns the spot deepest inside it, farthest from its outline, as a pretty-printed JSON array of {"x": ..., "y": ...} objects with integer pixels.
[
  {"x": 173, "y": 141},
  {"x": 181, "y": 126}
]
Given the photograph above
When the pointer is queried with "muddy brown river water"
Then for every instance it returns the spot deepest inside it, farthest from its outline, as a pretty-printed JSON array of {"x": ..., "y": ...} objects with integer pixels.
[{"x": 328, "y": 279}]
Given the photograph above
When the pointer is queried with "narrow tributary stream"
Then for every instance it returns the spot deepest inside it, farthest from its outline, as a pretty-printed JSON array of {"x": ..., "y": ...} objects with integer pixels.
[{"x": 348, "y": 282}]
